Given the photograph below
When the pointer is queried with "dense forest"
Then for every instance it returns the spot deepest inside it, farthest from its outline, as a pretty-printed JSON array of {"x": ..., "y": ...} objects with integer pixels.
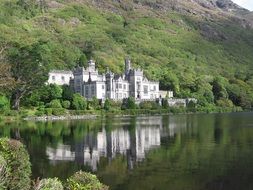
[{"x": 198, "y": 49}]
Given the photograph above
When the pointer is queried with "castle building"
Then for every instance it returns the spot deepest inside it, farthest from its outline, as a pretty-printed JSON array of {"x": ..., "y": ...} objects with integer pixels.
[
  {"x": 132, "y": 82},
  {"x": 89, "y": 83},
  {"x": 60, "y": 77}
]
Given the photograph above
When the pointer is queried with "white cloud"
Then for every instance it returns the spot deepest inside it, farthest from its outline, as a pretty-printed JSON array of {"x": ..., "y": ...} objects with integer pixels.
[{"x": 248, "y": 4}]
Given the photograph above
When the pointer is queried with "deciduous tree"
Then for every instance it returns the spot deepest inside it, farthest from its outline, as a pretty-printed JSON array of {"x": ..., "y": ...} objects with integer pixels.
[{"x": 29, "y": 70}]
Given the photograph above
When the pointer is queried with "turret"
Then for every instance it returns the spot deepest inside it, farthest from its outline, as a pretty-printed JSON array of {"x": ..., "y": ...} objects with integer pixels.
[
  {"x": 92, "y": 65},
  {"x": 127, "y": 65}
]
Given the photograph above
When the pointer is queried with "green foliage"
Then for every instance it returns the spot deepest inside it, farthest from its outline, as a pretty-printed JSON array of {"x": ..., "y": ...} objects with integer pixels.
[
  {"x": 18, "y": 165},
  {"x": 58, "y": 111},
  {"x": 79, "y": 102},
  {"x": 39, "y": 113},
  {"x": 29, "y": 68},
  {"x": 66, "y": 104},
  {"x": 67, "y": 93},
  {"x": 49, "y": 184},
  {"x": 165, "y": 103},
  {"x": 12, "y": 113},
  {"x": 107, "y": 105},
  {"x": 128, "y": 103},
  {"x": 4, "y": 103},
  {"x": 45, "y": 94},
  {"x": 3, "y": 173},
  {"x": 149, "y": 105},
  {"x": 48, "y": 111},
  {"x": 84, "y": 181},
  {"x": 94, "y": 104},
  {"x": 55, "y": 104},
  {"x": 82, "y": 62},
  {"x": 54, "y": 91},
  {"x": 219, "y": 88},
  {"x": 223, "y": 102}
]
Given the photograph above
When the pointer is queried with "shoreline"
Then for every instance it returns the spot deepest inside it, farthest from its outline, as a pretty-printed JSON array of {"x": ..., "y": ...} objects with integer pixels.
[
  {"x": 98, "y": 113},
  {"x": 60, "y": 118}
]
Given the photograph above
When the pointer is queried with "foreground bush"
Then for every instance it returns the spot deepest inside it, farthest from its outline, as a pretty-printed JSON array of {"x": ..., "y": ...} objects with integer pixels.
[
  {"x": 49, "y": 184},
  {"x": 84, "y": 181},
  {"x": 18, "y": 164},
  {"x": 3, "y": 173}
]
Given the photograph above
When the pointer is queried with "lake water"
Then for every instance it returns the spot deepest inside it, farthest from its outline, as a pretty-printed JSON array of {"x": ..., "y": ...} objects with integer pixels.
[{"x": 181, "y": 152}]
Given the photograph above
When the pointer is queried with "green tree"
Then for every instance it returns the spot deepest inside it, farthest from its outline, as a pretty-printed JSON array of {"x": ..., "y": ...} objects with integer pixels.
[
  {"x": 128, "y": 103},
  {"x": 107, "y": 105},
  {"x": 55, "y": 104},
  {"x": 29, "y": 70},
  {"x": 83, "y": 62},
  {"x": 219, "y": 88},
  {"x": 4, "y": 103},
  {"x": 169, "y": 81},
  {"x": 165, "y": 103},
  {"x": 67, "y": 93},
  {"x": 66, "y": 104},
  {"x": 79, "y": 102},
  {"x": 6, "y": 80},
  {"x": 55, "y": 92},
  {"x": 94, "y": 103}
]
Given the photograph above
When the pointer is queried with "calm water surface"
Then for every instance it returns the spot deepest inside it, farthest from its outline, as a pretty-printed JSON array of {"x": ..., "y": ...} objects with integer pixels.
[{"x": 183, "y": 152}]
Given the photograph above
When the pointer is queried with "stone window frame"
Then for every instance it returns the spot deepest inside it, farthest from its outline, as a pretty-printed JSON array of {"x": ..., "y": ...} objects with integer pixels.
[
  {"x": 93, "y": 90},
  {"x": 145, "y": 89}
]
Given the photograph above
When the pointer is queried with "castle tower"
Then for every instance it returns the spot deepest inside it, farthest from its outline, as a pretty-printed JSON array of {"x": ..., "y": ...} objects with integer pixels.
[
  {"x": 127, "y": 65},
  {"x": 92, "y": 65}
]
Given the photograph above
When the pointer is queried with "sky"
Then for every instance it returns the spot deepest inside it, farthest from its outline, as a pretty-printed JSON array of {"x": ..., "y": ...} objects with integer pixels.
[{"x": 248, "y": 4}]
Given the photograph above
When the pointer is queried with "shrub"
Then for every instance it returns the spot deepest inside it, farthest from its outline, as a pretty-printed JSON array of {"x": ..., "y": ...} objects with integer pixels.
[
  {"x": 24, "y": 113},
  {"x": 79, "y": 102},
  {"x": 66, "y": 104},
  {"x": 18, "y": 164},
  {"x": 145, "y": 105},
  {"x": 12, "y": 113},
  {"x": 48, "y": 111},
  {"x": 4, "y": 103},
  {"x": 58, "y": 111},
  {"x": 84, "y": 181},
  {"x": 128, "y": 103},
  {"x": 39, "y": 113},
  {"x": 107, "y": 105},
  {"x": 67, "y": 93},
  {"x": 94, "y": 104},
  {"x": 3, "y": 173},
  {"x": 49, "y": 184},
  {"x": 223, "y": 102},
  {"x": 165, "y": 103},
  {"x": 55, "y": 104}
]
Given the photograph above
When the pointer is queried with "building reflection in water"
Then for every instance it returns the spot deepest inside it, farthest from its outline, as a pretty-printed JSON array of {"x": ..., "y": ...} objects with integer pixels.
[{"x": 146, "y": 135}]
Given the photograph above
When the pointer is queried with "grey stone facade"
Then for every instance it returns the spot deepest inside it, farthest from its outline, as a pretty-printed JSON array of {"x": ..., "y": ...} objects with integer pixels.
[{"x": 89, "y": 83}]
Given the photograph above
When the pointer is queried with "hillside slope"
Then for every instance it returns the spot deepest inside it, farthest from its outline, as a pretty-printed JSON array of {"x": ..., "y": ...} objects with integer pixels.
[{"x": 188, "y": 45}]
